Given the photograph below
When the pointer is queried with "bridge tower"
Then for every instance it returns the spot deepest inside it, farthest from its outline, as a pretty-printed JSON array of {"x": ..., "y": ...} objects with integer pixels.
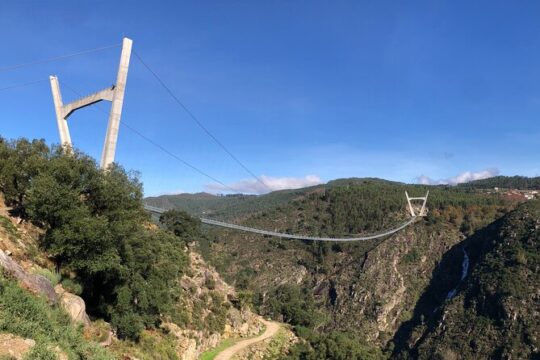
[
  {"x": 423, "y": 210},
  {"x": 114, "y": 94}
]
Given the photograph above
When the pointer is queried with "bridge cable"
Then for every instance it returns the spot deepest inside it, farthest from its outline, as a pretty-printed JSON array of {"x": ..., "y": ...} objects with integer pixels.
[
  {"x": 23, "y": 84},
  {"x": 157, "y": 145},
  {"x": 55, "y": 58},
  {"x": 199, "y": 123}
]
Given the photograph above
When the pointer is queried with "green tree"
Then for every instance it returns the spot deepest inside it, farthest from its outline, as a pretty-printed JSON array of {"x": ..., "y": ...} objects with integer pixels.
[
  {"x": 95, "y": 225},
  {"x": 20, "y": 162},
  {"x": 334, "y": 345},
  {"x": 181, "y": 224}
]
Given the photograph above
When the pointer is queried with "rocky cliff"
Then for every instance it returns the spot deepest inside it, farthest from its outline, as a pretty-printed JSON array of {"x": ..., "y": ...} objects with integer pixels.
[
  {"x": 495, "y": 311},
  {"x": 369, "y": 289}
]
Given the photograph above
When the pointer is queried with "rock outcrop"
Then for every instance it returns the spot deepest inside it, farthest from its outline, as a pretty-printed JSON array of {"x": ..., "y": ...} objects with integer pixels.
[
  {"x": 202, "y": 286},
  {"x": 14, "y": 347},
  {"x": 35, "y": 283},
  {"x": 73, "y": 305}
]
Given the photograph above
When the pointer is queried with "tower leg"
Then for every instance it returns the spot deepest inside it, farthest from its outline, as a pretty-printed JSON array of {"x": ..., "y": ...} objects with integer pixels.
[
  {"x": 109, "y": 148},
  {"x": 423, "y": 210},
  {"x": 65, "y": 138},
  {"x": 411, "y": 210}
]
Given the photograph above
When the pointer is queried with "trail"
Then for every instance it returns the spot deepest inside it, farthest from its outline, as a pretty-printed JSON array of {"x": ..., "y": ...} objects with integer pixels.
[{"x": 271, "y": 330}]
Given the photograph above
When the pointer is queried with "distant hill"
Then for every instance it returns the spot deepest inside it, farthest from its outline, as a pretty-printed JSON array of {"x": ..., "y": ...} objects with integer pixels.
[
  {"x": 509, "y": 182},
  {"x": 240, "y": 205}
]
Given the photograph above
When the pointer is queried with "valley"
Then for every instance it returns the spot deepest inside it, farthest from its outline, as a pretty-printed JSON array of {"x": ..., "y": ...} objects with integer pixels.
[
  {"x": 380, "y": 292},
  {"x": 79, "y": 249}
]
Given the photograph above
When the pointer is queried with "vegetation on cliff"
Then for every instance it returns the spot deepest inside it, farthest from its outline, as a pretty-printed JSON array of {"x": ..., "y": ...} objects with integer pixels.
[
  {"x": 496, "y": 311},
  {"x": 94, "y": 226},
  {"x": 360, "y": 291}
]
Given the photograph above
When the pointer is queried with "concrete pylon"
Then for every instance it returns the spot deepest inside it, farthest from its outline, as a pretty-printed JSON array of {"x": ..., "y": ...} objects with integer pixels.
[
  {"x": 423, "y": 211},
  {"x": 115, "y": 94},
  {"x": 65, "y": 138},
  {"x": 109, "y": 148}
]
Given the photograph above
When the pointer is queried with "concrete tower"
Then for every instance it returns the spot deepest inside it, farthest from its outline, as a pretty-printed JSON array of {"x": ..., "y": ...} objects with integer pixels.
[{"x": 115, "y": 94}]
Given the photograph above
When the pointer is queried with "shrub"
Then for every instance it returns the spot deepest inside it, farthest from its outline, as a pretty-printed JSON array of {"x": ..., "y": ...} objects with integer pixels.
[
  {"x": 53, "y": 277},
  {"x": 72, "y": 286},
  {"x": 210, "y": 283},
  {"x": 334, "y": 345}
]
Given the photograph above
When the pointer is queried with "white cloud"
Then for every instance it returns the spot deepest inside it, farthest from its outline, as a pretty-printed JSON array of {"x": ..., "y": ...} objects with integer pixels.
[
  {"x": 252, "y": 186},
  {"x": 458, "y": 179}
]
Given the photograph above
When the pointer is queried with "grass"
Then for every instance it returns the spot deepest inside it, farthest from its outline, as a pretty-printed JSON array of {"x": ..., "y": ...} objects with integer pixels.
[
  {"x": 28, "y": 316},
  {"x": 212, "y": 353},
  {"x": 53, "y": 277},
  {"x": 10, "y": 228},
  {"x": 152, "y": 345},
  {"x": 275, "y": 348}
]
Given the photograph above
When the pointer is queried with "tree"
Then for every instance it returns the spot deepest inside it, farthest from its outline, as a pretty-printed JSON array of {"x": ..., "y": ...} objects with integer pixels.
[
  {"x": 181, "y": 224},
  {"x": 20, "y": 162},
  {"x": 94, "y": 225},
  {"x": 334, "y": 345}
]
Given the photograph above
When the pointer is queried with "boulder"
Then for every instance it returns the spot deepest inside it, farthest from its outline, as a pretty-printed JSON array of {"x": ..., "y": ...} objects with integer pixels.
[
  {"x": 35, "y": 283},
  {"x": 73, "y": 305}
]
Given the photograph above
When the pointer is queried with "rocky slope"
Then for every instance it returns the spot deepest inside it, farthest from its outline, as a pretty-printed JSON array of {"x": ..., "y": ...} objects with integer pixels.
[
  {"x": 495, "y": 312},
  {"x": 208, "y": 311},
  {"x": 369, "y": 289},
  {"x": 209, "y": 315}
]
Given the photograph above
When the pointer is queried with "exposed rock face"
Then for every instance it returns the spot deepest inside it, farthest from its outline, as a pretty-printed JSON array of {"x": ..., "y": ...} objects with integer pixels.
[
  {"x": 15, "y": 347},
  {"x": 190, "y": 343},
  {"x": 35, "y": 283},
  {"x": 73, "y": 305},
  {"x": 200, "y": 285}
]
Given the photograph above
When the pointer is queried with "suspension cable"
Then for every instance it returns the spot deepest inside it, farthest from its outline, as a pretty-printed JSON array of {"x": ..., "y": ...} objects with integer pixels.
[
  {"x": 55, "y": 58},
  {"x": 199, "y": 123},
  {"x": 157, "y": 145},
  {"x": 22, "y": 85}
]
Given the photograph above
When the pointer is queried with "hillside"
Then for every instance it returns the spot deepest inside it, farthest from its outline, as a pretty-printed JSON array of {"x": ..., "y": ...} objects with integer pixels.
[
  {"x": 83, "y": 260},
  {"x": 240, "y": 205},
  {"x": 506, "y": 182},
  {"x": 207, "y": 312},
  {"x": 363, "y": 291},
  {"x": 496, "y": 311},
  {"x": 388, "y": 298},
  {"x": 85, "y": 274},
  {"x": 223, "y": 206}
]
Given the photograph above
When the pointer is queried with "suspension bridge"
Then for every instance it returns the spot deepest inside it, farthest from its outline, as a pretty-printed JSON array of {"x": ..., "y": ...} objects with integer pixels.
[
  {"x": 115, "y": 95},
  {"x": 293, "y": 236}
]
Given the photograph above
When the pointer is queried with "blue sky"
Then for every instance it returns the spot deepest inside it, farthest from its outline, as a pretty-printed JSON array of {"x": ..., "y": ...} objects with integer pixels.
[{"x": 300, "y": 91}]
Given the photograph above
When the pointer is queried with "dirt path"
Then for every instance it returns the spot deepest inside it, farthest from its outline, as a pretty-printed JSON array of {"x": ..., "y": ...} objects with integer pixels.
[{"x": 271, "y": 329}]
